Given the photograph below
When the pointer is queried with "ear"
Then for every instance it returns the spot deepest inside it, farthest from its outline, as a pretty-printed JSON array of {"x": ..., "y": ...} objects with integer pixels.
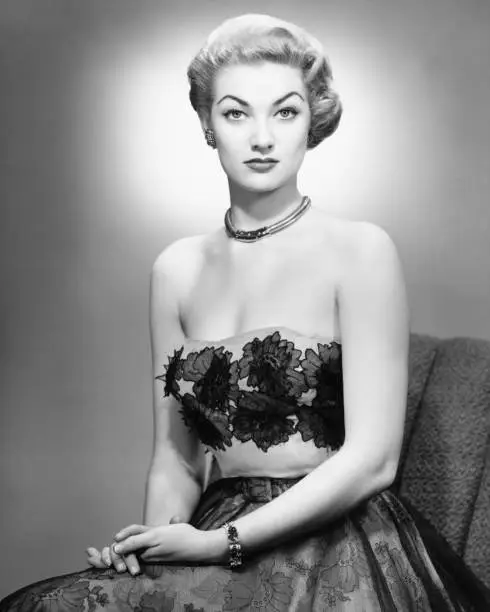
[{"x": 205, "y": 122}]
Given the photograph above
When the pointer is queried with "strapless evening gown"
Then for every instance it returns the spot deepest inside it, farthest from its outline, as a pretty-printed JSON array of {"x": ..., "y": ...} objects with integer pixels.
[{"x": 269, "y": 406}]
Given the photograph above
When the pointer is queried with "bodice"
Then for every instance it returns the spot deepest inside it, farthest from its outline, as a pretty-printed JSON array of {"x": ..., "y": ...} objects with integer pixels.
[{"x": 267, "y": 402}]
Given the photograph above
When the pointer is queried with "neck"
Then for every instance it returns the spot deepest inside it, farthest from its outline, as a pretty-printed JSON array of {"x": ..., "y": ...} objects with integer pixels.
[{"x": 253, "y": 209}]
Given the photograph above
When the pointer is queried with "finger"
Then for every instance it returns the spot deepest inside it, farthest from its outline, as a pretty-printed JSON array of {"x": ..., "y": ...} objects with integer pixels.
[
  {"x": 132, "y": 563},
  {"x": 133, "y": 543},
  {"x": 147, "y": 555},
  {"x": 96, "y": 562},
  {"x": 130, "y": 530},
  {"x": 94, "y": 557},
  {"x": 106, "y": 556},
  {"x": 129, "y": 562},
  {"x": 175, "y": 519},
  {"x": 118, "y": 562}
]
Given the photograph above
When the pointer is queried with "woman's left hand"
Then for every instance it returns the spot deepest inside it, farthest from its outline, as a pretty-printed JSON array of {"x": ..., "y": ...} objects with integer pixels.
[{"x": 174, "y": 542}]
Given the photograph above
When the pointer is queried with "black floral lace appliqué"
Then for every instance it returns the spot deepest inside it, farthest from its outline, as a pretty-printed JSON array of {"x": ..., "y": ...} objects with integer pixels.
[
  {"x": 265, "y": 408},
  {"x": 323, "y": 422}
]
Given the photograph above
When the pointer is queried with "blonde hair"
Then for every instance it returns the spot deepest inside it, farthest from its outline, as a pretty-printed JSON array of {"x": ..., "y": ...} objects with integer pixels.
[{"x": 255, "y": 38}]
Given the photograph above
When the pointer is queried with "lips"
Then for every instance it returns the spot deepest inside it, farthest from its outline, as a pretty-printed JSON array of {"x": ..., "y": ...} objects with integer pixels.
[
  {"x": 261, "y": 166},
  {"x": 267, "y": 160}
]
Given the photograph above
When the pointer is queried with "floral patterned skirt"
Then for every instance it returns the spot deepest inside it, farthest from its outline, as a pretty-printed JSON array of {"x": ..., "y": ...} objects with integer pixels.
[{"x": 383, "y": 556}]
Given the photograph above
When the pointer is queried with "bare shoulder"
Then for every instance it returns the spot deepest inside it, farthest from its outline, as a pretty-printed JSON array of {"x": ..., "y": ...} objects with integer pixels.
[
  {"x": 370, "y": 246},
  {"x": 355, "y": 243},
  {"x": 352, "y": 239},
  {"x": 372, "y": 292},
  {"x": 178, "y": 252},
  {"x": 178, "y": 260},
  {"x": 372, "y": 268},
  {"x": 364, "y": 255}
]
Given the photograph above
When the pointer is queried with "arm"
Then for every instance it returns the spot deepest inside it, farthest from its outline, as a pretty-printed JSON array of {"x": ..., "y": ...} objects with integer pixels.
[
  {"x": 177, "y": 467},
  {"x": 375, "y": 338}
]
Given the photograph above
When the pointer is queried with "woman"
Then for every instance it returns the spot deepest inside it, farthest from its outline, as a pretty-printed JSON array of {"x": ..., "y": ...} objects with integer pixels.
[{"x": 283, "y": 353}]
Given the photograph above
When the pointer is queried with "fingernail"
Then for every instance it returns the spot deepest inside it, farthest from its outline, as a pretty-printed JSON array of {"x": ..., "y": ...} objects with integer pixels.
[{"x": 117, "y": 549}]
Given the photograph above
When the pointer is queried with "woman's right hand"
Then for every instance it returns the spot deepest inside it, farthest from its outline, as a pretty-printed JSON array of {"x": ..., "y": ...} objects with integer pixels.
[{"x": 108, "y": 557}]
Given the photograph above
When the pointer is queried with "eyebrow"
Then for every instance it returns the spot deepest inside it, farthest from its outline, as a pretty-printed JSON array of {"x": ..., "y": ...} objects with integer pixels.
[{"x": 244, "y": 103}]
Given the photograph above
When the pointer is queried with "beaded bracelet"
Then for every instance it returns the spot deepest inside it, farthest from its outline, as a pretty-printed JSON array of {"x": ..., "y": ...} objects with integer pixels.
[{"x": 234, "y": 546}]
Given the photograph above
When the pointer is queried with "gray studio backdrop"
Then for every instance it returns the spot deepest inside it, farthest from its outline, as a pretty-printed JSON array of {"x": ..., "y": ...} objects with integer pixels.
[{"x": 91, "y": 193}]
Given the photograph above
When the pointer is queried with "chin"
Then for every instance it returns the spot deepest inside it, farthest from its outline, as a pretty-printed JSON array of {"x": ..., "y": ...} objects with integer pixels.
[
  {"x": 263, "y": 185},
  {"x": 266, "y": 178}
]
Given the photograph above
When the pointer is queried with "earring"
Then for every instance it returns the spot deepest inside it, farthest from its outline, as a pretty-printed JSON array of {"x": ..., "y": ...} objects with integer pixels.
[{"x": 210, "y": 138}]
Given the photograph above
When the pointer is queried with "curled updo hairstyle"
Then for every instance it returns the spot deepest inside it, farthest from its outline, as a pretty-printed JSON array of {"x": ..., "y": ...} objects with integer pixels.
[{"x": 255, "y": 38}]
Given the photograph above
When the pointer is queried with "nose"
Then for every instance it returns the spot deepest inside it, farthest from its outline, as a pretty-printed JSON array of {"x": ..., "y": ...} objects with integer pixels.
[{"x": 262, "y": 138}]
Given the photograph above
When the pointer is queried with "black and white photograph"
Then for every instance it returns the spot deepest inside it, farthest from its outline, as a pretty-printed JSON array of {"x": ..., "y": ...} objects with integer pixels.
[{"x": 245, "y": 306}]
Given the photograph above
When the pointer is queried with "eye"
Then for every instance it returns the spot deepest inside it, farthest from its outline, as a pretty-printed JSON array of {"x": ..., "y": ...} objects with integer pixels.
[
  {"x": 289, "y": 110},
  {"x": 233, "y": 110},
  {"x": 236, "y": 112}
]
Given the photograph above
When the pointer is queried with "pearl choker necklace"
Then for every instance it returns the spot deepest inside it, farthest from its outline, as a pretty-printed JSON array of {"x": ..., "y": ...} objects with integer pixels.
[{"x": 266, "y": 230}]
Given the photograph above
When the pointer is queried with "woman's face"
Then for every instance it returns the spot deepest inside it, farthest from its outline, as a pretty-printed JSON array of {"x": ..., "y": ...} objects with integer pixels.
[{"x": 255, "y": 114}]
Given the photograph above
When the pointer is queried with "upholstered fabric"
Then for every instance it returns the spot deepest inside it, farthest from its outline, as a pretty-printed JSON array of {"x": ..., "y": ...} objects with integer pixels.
[{"x": 445, "y": 465}]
